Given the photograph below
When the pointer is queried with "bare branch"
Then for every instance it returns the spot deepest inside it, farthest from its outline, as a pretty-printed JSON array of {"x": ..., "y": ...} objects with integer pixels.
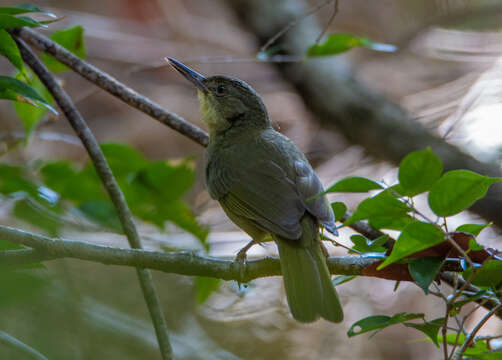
[
  {"x": 472, "y": 334},
  {"x": 183, "y": 263},
  {"x": 111, "y": 85}
]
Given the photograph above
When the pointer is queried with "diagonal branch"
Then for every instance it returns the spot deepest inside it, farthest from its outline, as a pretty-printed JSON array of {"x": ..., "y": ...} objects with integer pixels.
[
  {"x": 103, "y": 169},
  {"x": 111, "y": 85}
]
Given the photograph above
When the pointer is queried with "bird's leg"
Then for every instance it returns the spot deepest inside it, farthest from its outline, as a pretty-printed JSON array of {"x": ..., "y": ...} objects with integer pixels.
[
  {"x": 242, "y": 254},
  {"x": 242, "y": 257}
]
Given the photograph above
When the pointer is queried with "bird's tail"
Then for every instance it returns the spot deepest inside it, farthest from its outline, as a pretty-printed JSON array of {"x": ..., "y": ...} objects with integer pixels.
[{"x": 307, "y": 280}]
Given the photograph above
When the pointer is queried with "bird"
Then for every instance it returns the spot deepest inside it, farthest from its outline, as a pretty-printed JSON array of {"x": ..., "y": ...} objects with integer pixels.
[{"x": 267, "y": 187}]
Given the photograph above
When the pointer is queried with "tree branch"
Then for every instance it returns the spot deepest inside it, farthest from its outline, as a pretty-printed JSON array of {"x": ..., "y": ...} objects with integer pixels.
[
  {"x": 111, "y": 85},
  {"x": 183, "y": 263},
  {"x": 103, "y": 169}
]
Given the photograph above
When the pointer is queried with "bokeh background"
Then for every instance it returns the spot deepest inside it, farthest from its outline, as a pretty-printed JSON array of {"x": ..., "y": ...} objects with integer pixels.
[{"x": 446, "y": 76}]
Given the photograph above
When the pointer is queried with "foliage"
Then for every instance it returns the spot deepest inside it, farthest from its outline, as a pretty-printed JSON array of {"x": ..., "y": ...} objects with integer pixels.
[
  {"x": 392, "y": 207},
  {"x": 340, "y": 43},
  {"x": 153, "y": 190},
  {"x": 51, "y": 194}
]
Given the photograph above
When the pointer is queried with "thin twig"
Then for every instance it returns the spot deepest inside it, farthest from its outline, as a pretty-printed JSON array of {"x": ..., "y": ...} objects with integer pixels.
[
  {"x": 325, "y": 28},
  {"x": 291, "y": 24},
  {"x": 103, "y": 169},
  {"x": 21, "y": 347},
  {"x": 472, "y": 334}
]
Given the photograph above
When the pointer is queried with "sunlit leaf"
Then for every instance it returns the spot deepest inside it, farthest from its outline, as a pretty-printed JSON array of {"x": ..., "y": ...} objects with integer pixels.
[
  {"x": 473, "y": 229},
  {"x": 457, "y": 190},
  {"x": 336, "y": 44},
  {"x": 418, "y": 171},
  {"x": 72, "y": 40},
  {"x": 354, "y": 184},
  {"x": 415, "y": 237}
]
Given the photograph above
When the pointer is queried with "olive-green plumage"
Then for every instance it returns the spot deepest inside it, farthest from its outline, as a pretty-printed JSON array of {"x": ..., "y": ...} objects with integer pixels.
[{"x": 265, "y": 184}]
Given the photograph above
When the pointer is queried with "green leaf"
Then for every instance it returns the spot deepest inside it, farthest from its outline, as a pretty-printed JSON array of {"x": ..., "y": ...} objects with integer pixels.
[
  {"x": 9, "y": 49},
  {"x": 473, "y": 229},
  {"x": 339, "y": 208},
  {"x": 31, "y": 115},
  {"x": 378, "y": 322},
  {"x": 381, "y": 205},
  {"x": 341, "y": 279},
  {"x": 336, "y": 44},
  {"x": 20, "y": 285},
  {"x": 415, "y": 237},
  {"x": 123, "y": 159},
  {"x": 457, "y": 190},
  {"x": 8, "y": 21},
  {"x": 179, "y": 213},
  {"x": 103, "y": 213},
  {"x": 424, "y": 271},
  {"x": 170, "y": 182},
  {"x": 204, "y": 287},
  {"x": 488, "y": 276},
  {"x": 13, "y": 180},
  {"x": 39, "y": 215},
  {"x": 392, "y": 222},
  {"x": 474, "y": 246},
  {"x": 365, "y": 245},
  {"x": 418, "y": 171},
  {"x": 354, "y": 184},
  {"x": 13, "y": 89},
  {"x": 429, "y": 328},
  {"x": 72, "y": 185},
  {"x": 72, "y": 40},
  {"x": 21, "y": 9}
]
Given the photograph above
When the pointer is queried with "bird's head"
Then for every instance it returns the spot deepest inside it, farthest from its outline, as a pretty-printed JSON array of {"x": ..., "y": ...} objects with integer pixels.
[{"x": 226, "y": 102}]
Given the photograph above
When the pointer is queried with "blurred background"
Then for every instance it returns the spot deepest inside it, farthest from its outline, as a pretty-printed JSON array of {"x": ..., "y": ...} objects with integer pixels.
[{"x": 446, "y": 74}]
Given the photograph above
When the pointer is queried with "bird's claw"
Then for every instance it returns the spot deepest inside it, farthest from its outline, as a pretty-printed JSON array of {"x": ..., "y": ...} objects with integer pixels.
[{"x": 241, "y": 259}]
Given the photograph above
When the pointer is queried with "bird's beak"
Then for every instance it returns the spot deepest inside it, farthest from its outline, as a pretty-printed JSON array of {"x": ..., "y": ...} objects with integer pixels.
[{"x": 191, "y": 75}]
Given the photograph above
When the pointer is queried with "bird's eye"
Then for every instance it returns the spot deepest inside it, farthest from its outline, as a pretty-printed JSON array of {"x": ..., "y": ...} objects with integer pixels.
[{"x": 221, "y": 89}]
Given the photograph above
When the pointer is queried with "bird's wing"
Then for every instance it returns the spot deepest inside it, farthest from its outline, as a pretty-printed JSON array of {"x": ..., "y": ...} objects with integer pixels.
[
  {"x": 262, "y": 192},
  {"x": 308, "y": 186}
]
